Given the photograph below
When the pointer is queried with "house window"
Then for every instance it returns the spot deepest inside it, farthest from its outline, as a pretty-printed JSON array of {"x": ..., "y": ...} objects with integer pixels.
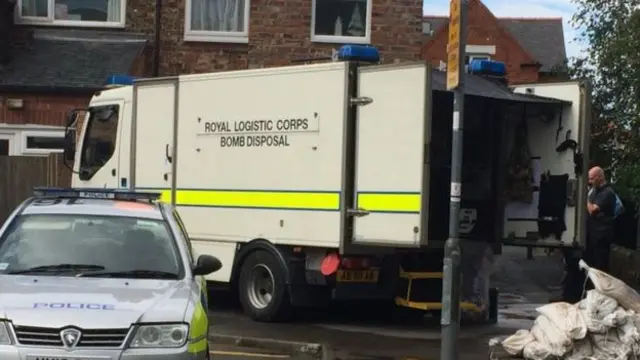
[
  {"x": 89, "y": 13},
  {"x": 217, "y": 21},
  {"x": 341, "y": 21},
  {"x": 426, "y": 28},
  {"x": 42, "y": 143},
  {"x": 4, "y": 147},
  {"x": 45, "y": 142}
]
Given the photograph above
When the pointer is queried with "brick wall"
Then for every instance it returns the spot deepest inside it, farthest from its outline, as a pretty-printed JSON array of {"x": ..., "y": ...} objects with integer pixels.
[
  {"x": 484, "y": 29},
  {"x": 41, "y": 109},
  {"x": 279, "y": 32}
]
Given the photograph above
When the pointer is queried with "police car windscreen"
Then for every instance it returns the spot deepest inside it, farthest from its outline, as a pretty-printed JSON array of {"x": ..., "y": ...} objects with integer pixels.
[{"x": 111, "y": 244}]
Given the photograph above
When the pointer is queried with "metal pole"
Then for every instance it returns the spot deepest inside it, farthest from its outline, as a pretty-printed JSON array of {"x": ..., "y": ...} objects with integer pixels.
[{"x": 451, "y": 283}]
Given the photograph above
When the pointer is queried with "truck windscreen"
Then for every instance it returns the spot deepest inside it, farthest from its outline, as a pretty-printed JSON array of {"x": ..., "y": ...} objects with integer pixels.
[{"x": 99, "y": 139}]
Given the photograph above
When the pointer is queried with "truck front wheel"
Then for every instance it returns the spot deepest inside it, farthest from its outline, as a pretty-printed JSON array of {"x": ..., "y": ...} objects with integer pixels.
[{"x": 263, "y": 289}]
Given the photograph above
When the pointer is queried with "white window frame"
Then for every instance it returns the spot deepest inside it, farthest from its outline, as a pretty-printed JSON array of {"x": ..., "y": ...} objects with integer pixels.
[
  {"x": 51, "y": 21},
  {"x": 366, "y": 39},
  {"x": 31, "y": 133},
  {"x": 11, "y": 136},
  {"x": 238, "y": 37}
]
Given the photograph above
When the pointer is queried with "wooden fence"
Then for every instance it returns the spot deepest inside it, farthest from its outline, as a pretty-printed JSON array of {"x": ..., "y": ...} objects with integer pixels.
[{"x": 20, "y": 174}]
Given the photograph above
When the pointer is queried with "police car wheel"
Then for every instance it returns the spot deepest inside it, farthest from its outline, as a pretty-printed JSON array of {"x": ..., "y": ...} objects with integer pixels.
[{"x": 262, "y": 288}]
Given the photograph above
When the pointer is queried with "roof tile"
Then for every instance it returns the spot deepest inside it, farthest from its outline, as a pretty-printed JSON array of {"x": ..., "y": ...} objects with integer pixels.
[
  {"x": 71, "y": 59},
  {"x": 543, "y": 38}
]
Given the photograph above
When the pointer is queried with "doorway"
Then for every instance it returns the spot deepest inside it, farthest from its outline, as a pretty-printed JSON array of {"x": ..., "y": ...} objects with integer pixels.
[{"x": 7, "y": 144}]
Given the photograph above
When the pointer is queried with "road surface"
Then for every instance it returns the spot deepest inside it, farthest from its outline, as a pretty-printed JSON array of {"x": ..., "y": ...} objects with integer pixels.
[{"x": 353, "y": 334}]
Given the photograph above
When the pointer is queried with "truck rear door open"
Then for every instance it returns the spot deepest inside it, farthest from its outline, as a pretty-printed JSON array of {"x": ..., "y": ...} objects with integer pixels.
[
  {"x": 392, "y": 165},
  {"x": 560, "y": 147}
]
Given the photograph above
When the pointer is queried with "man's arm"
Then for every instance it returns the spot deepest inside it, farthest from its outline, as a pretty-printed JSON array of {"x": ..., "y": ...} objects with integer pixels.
[{"x": 600, "y": 200}]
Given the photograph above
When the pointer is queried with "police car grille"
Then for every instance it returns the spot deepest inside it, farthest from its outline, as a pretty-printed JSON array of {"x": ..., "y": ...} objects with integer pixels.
[{"x": 40, "y": 336}]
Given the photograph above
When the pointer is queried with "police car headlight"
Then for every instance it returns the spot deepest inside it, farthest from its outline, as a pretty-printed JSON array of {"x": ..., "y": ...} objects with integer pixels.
[
  {"x": 160, "y": 336},
  {"x": 5, "y": 339}
]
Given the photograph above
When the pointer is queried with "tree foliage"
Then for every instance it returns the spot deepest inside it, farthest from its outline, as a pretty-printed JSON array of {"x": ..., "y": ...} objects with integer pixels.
[{"x": 610, "y": 30}]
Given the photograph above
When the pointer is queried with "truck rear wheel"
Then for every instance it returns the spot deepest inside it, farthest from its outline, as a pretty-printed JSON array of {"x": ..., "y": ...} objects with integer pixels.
[{"x": 263, "y": 289}]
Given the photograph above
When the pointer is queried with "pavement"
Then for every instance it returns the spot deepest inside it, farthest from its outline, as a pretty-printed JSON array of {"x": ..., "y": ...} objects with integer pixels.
[{"x": 348, "y": 332}]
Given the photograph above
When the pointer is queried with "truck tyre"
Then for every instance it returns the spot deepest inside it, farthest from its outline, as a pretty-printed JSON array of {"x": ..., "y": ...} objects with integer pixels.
[{"x": 262, "y": 288}]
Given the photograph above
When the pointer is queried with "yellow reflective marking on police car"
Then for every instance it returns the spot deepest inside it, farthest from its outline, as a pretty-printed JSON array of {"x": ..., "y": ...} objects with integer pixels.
[
  {"x": 198, "y": 329},
  {"x": 389, "y": 202},
  {"x": 290, "y": 200}
]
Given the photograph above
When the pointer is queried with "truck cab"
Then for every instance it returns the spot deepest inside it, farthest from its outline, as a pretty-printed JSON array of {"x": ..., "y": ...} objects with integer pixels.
[{"x": 101, "y": 158}]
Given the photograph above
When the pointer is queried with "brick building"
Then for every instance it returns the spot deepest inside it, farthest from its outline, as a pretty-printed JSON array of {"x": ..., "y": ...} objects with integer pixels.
[
  {"x": 533, "y": 49},
  {"x": 274, "y": 32},
  {"x": 59, "y": 52},
  {"x": 46, "y": 71}
]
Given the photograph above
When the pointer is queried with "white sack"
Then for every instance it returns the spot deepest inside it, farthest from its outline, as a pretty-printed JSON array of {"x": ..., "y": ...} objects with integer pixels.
[
  {"x": 612, "y": 287},
  {"x": 566, "y": 317},
  {"x": 515, "y": 343},
  {"x": 582, "y": 349},
  {"x": 627, "y": 330},
  {"x": 596, "y": 309},
  {"x": 555, "y": 340},
  {"x": 609, "y": 347},
  {"x": 537, "y": 351}
]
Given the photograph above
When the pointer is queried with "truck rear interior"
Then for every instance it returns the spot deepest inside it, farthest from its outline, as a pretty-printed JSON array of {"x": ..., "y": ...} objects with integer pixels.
[{"x": 510, "y": 144}]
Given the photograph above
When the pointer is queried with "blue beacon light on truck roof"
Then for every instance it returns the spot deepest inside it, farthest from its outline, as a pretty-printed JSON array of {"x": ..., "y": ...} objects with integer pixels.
[
  {"x": 487, "y": 67},
  {"x": 119, "y": 80},
  {"x": 44, "y": 192},
  {"x": 359, "y": 53}
]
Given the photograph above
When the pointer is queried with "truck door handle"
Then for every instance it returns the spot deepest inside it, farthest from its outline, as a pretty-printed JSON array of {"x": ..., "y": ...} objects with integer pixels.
[
  {"x": 359, "y": 212},
  {"x": 166, "y": 153},
  {"x": 113, "y": 172}
]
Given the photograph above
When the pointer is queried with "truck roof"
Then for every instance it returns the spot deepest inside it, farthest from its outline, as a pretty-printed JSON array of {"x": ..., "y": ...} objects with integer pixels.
[{"x": 100, "y": 207}]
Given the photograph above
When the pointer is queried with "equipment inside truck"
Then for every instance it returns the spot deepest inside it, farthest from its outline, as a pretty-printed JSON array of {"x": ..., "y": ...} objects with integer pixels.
[{"x": 521, "y": 160}]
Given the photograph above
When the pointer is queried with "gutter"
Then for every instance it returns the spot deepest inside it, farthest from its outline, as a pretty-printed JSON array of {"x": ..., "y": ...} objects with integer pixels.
[
  {"x": 156, "y": 43},
  {"x": 58, "y": 90}
]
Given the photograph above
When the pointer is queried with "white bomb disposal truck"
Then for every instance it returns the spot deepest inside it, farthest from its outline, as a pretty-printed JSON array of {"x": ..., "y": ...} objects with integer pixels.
[{"x": 327, "y": 181}]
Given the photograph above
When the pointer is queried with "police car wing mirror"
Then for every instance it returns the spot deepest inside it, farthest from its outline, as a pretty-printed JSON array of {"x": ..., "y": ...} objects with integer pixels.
[{"x": 206, "y": 265}]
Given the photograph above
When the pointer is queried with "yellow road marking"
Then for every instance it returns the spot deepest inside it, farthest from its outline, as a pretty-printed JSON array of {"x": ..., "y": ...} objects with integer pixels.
[{"x": 248, "y": 354}]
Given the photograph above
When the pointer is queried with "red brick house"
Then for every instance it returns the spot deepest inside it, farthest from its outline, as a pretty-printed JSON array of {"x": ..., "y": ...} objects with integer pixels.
[
  {"x": 45, "y": 71},
  {"x": 195, "y": 37},
  {"x": 59, "y": 52},
  {"x": 533, "y": 49}
]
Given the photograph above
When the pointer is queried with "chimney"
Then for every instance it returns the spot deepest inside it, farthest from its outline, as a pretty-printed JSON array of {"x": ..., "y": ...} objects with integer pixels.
[{"x": 6, "y": 26}]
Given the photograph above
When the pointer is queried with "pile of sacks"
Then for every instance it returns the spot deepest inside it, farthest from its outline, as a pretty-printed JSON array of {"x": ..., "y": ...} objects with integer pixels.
[{"x": 605, "y": 325}]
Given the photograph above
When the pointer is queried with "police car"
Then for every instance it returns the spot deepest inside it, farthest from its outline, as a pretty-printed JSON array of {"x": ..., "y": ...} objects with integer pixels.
[{"x": 98, "y": 274}]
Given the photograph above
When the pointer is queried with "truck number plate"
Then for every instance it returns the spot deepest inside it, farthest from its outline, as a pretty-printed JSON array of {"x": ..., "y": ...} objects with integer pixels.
[{"x": 367, "y": 276}]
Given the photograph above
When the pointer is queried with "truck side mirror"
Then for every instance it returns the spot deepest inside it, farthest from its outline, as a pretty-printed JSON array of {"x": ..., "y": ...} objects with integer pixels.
[
  {"x": 69, "y": 145},
  {"x": 71, "y": 118}
]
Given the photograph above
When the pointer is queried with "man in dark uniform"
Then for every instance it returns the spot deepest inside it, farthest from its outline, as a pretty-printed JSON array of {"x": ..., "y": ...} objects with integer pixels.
[
  {"x": 601, "y": 203},
  {"x": 601, "y": 206}
]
